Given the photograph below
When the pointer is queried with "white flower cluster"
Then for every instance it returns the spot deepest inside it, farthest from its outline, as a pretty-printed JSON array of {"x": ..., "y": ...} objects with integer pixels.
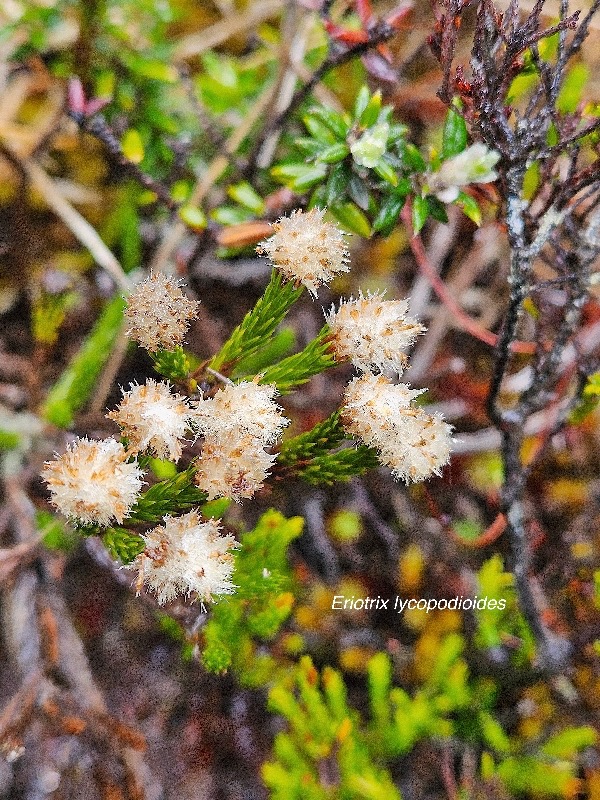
[
  {"x": 158, "y": 313},
  {"x": 307, "y": 249},
  {"x": 93, "y": 482},
  {"x": 413, "y": 443},
  {"x": 237, "y": 424},
  {"x": 187, "y": 555},
  {"x": 99, "y": 482},
  {"x": 373, "y": 333},
  {"x": 151, "y": 418}
]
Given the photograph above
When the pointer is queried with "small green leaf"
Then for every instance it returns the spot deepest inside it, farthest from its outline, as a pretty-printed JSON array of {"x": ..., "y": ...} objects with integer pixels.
[
  {"x": 531, "y": 180},
  {"x": 337, "y": 184},
  {"x": 230, "y": 215},
  {"x": 358, "y": 190},
  {"x": 9, "y": 440},
  {"x": 331, "y": 119},
  {"x": 352, "y": 218},
  {"x": 299, "y": 177},
  {"x": 370, "y": 114},
  {"x": 194, "y": 217},
  {"x": 437, "y": 209},
  {"x": 337, "y": 152},
  {"x": 386, "y": 219},
  {"x": 569, "y": 742},
  {"x": 454, "y": 137},
  {"x": 386, "y": 172},
  {"x": 318, "y": 130},
  {"x": 592, "y": 387},
  {"x": 362, "y": 101},
  {"x": 420, "y": 212},
  {"x": 132, "y": 146},
  {"x": 571, "y": 91},
  {"x": 412, "y": 158},
  {"x": 470, "y": 207},
  {"x": 308, "y": 146},
  {"x": 244, "y": 194}
]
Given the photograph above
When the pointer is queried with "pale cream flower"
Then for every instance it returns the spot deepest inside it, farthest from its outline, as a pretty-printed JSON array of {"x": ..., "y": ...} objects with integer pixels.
[
  {"x": 92, "y": 482},
  {"x": 306, "y": 249},
  {"x": 158, "y": 313},
  {"x": 187, "y": 555},
  {"x": 372, "y": 403},
  {"x": 371, "y": 146},
  {"x": 152, "y": 418},
  {"x": 234, "y": 468},
  {"x": 373, "y": 333},
  {"x": 474, "y": 165},
  {"x": 413, "y": 443},
  {"x": 241, "y": 409},
  {"x": 420, "y": 448}
]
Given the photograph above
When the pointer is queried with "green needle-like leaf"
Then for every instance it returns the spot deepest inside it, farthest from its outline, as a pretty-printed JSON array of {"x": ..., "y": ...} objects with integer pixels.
[
  {"x": 299, "y": 368},
  {"x": 259, "y": 324}
]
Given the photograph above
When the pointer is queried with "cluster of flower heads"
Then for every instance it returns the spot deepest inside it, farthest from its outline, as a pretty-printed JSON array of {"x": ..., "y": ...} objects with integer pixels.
[
  {"x": 93, "y": 482},
  {"x": 374, "y": 335},
  {"x": 158, "y": 313},
  {"x": 99, "y": 482},
  {"x": 411, "y": 442},
  {"x": 237, "y": 423}
]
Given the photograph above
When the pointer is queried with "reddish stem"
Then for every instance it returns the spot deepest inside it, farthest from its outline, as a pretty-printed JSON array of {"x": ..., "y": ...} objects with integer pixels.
[{"x": 463, "y": 320}]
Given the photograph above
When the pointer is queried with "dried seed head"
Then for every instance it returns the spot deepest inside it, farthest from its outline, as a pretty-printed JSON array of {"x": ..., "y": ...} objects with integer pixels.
[
  {"x": 158, "y": 313},
  {"x": 373, "y": 333},
  {"x": 92, "y": 482},
  {"x": 187, "y": 555},
  {"x": 234, "y": 469},
  {"x": 152, "y": 418},
  {"x": 307, "y": 249},
  {"x": 241, "y": 409},
  {"x": 413, "y": 443}
]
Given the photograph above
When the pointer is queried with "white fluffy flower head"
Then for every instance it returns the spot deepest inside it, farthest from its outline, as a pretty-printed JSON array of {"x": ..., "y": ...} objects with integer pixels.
[
  {"x": 372, "y": 404},
  {"x": 420, "y": 448},
  {"x": 306, "y": 249},
  {"x": 241, "y": 409},
  {"x": 152, "y": 418},
  {"x": 373, "y": 333},
  {"x": 413, "y": 443},
  {"x": 234, "y": 469},
  {"x": 92, "y": 482},
  {"x": 187, "y": 555},
  {"x": 158, "y": 313}
]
